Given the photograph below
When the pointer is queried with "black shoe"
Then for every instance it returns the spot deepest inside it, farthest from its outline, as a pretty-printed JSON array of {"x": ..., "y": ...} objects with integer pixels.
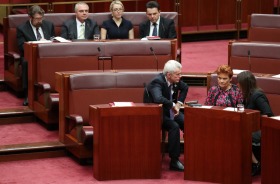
[
  {"x": 256, "y": 168},
  {"x": 176, "y": 165},
  {"x": 25, "y": 102}
]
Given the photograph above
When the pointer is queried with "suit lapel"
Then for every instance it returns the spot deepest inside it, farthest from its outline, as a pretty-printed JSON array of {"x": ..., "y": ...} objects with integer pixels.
[
  {"x": 30, "y": 31},
  {"x": 75, "y": 31},
  {"x": 87, "y": 29}
]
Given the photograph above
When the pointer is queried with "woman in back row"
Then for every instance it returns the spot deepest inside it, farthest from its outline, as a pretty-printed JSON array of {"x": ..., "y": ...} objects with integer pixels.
[{"x": 117, "y": 27}]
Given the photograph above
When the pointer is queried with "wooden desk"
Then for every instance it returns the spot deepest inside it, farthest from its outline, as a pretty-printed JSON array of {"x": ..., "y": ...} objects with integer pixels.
[
  {"x": 218, "y": 144},
  {"x": 270, "y": 150},
  {"x": 126, "y": 141}
]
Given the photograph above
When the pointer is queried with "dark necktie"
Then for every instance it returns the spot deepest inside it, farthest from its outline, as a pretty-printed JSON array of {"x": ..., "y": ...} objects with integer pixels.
[
  {"x": 171, "y": 99},
  {"x": 155, "y": 29},
  {"x": 39, "y": 36}
]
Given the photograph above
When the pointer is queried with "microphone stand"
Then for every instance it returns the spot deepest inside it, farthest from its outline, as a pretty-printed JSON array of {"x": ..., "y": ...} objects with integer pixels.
[{"x": 152, "y": 50}]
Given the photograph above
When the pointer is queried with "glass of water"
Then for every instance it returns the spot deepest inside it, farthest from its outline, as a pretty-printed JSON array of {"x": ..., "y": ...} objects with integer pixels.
[
  {"x": 240, "y": 107},
  {"x": 96, "y": 37}
]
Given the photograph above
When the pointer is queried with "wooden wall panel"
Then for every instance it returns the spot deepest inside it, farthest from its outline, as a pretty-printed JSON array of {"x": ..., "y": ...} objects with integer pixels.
[
  {"x": 189, "y": 12},
  {"x": 227, "y": 15},
  {"x": 208, "y": 12}
]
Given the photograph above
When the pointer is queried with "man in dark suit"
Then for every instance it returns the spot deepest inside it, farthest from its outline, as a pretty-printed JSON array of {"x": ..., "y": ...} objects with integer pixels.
[
  {"x": 81, "y": 27},
  {"x": 34, "y": 29},
  {"x": 167, "y": 89},
  {"x": 156, "y": 25}
]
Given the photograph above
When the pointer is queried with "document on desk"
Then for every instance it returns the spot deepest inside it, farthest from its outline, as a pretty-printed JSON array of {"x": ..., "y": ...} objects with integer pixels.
[
  {"x": 203, "y": 107},
  {"x": 236, "y": 71},
  {"x": 122, "y": 104},
  {"x": 276, "y": 76},
  {"x": 41, "y": 41},
  {"x": 230, "y": 109},
  {"x": 60, "y": 39},
  {"x": 276, "y": 117}
]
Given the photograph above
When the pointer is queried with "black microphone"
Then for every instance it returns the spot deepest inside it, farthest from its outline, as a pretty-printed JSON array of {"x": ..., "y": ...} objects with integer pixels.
[
  {"x": 146, "y": 91},
  {"x": 152, "y": 50},
  {"x": 99, "y": 50},
  {"x": 249, "y": 59}
]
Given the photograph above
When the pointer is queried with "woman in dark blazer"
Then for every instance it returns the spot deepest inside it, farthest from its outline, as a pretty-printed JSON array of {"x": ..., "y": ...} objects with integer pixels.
[{"x": 254, "y": 98}]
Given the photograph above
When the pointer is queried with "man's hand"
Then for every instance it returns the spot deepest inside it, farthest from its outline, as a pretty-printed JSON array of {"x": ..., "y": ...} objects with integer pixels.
[{"x": 176, "y": 109}]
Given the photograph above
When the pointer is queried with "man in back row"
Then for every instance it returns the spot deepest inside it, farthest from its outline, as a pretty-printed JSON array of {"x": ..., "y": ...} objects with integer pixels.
[
  {"x": 80, "y": 27},
  {"x": 34, "y": 29},
  {"x": 156, "y": 25}
]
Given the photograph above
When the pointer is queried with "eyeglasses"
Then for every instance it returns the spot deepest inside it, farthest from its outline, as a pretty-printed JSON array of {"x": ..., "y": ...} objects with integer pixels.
[
  {"x": 117, "y": 9},
  {"x": 38, "y": 18},
  {"x": 82, "y": 11}
]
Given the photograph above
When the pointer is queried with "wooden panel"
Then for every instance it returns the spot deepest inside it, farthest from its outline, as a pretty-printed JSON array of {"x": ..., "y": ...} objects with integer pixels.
[
  {"x": 126, "y": 141},
  {"x": 189, "y": 12},
  {"x": 218, "y": 144},
  {"x": 270, "y": 150},
  {"x": 208, "y": 12},
  {"x": 227, "y": 15}
]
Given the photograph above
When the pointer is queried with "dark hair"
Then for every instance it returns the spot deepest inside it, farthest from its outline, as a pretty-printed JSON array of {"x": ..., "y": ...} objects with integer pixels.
[
  {"x": 35, "y": 9},
  {"x": 247, "y": 83},
  {"x": 153, "y": 4},
  {"x": 225, "y": 69}
]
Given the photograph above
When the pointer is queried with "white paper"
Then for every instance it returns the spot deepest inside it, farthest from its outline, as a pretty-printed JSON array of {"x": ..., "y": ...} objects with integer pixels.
[
  {"x": 276, "y": 76},
  {"x": 230, "y": 109},
  {"x": 123, "y": 104},
  {"x": 60, "y": 39},
  {"x": 276, "y": 117},
  {"x": 236, "y": 71},
  {"x": 203, "y": 106},
  {"x": 41, "y": 41}
]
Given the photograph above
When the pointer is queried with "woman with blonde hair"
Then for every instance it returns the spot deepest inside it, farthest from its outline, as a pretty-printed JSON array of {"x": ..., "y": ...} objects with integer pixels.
[{"x": 117, "y": 27}]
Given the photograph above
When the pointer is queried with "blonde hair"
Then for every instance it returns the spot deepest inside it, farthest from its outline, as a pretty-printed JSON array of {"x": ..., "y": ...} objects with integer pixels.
[{"x": 116, "y": 2}]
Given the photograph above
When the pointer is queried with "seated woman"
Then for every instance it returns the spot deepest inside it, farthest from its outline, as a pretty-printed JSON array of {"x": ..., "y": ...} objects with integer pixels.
[
  {"x": 255, "y": 99},
  {"x": 224, "y": 94},
  {"x": 117, "y": 27}
]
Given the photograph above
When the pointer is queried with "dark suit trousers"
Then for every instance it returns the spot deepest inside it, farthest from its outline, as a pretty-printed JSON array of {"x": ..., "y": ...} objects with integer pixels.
[
  {"x": 24, "y": 77},
  {"x": 173, "y": 127}
]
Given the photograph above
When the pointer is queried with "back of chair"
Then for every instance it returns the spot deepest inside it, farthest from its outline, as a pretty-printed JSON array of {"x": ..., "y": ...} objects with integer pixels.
[
  {"x": 102, "y": 88},
  {"x": 264, "y": 27}
]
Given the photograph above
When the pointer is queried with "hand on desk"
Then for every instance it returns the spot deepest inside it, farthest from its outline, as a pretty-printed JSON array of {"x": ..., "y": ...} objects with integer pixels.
[{"x": 176, "y": 109}]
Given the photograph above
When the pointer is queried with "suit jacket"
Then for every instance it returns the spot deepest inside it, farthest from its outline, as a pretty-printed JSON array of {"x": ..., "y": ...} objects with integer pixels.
[
  {"x": 69, "y": 29},
  {"x": 166, "y": 28},
  {"x": 258, "y": 101},
  {"x": 157, "y": 91},
  {"x": 25, "y": 33}
]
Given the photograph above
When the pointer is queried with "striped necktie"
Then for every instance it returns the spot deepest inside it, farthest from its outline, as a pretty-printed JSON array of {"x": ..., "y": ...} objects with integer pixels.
[{"x": 39, "y": 36}]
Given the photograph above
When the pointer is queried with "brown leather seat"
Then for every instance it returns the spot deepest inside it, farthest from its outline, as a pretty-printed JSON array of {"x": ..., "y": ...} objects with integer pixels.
[{"x": 83, "y": 89}]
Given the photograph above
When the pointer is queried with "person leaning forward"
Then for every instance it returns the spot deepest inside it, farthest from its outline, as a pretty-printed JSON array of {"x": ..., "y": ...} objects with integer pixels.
[
  {"x": 34, "y": 29},
  {"x": 165, "y": 28},
  {"x": 167, "y": 89},
  {"x": 80, "y": 27}
]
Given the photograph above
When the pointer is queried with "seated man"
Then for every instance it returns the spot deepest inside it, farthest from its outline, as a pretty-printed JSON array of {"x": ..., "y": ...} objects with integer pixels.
[
  {"x": 167, "y": 89},
  {"x": 34, "y": 29},
  {"x": 156, "y": 25},
  {"x": 81, "y": 27}
]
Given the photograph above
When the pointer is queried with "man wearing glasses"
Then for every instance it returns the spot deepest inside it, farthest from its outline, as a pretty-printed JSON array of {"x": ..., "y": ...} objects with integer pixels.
[
  {"x": 80, "y": 27},
  {"x": 167, "y": 89},
  {"x": 156, "y": 25},
  {"x": 35, "y": 29}
]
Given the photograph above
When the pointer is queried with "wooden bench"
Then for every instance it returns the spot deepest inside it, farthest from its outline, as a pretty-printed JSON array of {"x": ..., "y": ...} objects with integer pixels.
[
  {"x": 12, "y": 69},
  {"x": 79, "y": 90},
  {"x": 46, "y": 59},
  {"x": 258, "y": 57}
]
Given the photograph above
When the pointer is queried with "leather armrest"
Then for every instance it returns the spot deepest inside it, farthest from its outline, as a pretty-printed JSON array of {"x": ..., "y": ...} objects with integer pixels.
[
  {"x": 14, "y": 55},
  {"x": 87, "y": 135},
  {"x": 75, "y": 126},
  {"x": 14, "y": 61},
  {"x": 43, "y": 86}
]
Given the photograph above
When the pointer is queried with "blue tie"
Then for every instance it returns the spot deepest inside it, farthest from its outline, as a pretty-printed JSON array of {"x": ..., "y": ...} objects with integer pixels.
[
  {"x": 39, "y": 36},
  {"x": 155, "y": 29}
]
